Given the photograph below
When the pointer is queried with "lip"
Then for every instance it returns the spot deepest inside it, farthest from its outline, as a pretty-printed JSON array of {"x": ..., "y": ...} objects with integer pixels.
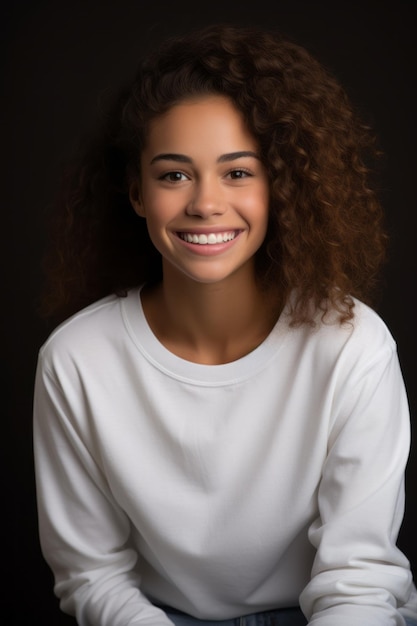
[
  {"x": 208, "y": 249},
  {"x": 206, "y": 230}
]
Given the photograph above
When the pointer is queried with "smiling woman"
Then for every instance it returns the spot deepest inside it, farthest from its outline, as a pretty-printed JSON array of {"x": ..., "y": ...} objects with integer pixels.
[
  {"x": 221, "y": 431},
  {"x": 204, "y": 193}
]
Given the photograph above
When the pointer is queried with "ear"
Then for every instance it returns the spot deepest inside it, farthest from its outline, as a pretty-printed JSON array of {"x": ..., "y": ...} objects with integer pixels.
[{"x": 135, "y": 198}]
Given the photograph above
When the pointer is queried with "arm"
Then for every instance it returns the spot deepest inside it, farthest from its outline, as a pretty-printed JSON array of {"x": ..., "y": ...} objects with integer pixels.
[
  {"x": 84, "y": 534},
  {"x": 359, "y": 576}
]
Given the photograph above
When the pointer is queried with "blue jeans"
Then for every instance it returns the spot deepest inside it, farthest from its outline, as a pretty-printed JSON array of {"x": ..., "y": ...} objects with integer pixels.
[{"x": 279, "y": 617}]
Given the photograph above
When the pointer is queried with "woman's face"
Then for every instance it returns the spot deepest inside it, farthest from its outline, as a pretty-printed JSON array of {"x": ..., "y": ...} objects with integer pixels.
[{"x": 203, "y": 190}]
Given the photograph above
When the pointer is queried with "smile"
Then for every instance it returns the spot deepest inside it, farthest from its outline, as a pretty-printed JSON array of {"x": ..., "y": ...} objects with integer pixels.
[{"x": 209, "y": 239}]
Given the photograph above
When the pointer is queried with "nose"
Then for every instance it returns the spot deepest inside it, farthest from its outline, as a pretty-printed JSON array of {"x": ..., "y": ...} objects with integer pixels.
[{"x": 207, "y": 199}]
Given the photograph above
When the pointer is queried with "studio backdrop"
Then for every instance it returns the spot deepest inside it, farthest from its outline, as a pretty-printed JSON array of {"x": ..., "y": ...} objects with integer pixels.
[{"x": 61, "y": 60}]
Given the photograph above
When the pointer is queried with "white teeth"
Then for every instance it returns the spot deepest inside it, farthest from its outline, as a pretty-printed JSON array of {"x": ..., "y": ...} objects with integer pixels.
[{"x": 212, "y": 238}]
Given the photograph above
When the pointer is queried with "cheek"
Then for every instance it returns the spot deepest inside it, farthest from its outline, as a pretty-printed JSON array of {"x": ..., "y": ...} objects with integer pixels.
[
  {"x": 159, "y": 213},
  {"x": 154, "y": 223},
  {"x": 257, "y": 207},
  {"x": 161, "y": 205},
  {"x": 155, "y": 232}
]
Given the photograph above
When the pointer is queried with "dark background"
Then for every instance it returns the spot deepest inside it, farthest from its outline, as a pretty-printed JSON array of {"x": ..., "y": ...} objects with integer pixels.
[{"x": 59, "y": 59}]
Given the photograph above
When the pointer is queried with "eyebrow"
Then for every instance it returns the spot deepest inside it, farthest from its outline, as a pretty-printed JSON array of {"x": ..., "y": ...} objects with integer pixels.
[{"x": 224, "y": 158}]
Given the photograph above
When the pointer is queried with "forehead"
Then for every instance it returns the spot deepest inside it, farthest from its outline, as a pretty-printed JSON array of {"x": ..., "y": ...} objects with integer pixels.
[{"x": 196, "y": 122}]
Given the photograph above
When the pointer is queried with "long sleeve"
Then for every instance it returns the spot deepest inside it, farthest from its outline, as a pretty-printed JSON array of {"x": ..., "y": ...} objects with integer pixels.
[
  {"x": 222, "y": 490},
  {"x": 359, "y": 575},
  {"x": 84, "y": 533}
]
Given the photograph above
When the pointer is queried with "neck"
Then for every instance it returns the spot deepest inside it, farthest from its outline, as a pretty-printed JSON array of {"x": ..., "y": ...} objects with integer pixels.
[{"x": 210, "y": 323}]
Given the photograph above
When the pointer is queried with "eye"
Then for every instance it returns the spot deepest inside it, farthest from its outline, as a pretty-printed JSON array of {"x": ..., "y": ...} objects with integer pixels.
[
  {"x": 239, "y": 173},
  {"x": 173, "y": 177}
]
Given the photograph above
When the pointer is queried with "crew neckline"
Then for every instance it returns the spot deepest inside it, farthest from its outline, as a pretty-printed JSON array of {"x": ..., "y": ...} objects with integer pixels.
[{"x": 176, "y": 367}]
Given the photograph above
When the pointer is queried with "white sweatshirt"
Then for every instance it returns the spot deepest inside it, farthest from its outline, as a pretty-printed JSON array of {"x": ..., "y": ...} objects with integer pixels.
[{"x": 222, "y": 490}]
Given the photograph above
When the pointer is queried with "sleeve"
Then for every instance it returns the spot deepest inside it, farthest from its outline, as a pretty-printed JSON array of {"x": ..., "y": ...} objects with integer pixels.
[
  {"x": 359, "y": 576},
  {"x": 84, "y": 534}
]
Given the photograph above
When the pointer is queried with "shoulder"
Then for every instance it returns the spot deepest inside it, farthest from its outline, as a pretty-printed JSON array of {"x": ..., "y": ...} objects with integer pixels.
[
  {"x": 359, "y": 343},
  {"x": 367, "y": 328},
  {"x": 355, "y": 343},
  {"x": 85, "y": 334}
]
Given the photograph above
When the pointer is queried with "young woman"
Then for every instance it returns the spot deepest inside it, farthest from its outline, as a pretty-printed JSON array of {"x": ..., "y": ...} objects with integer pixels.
[{"x": 221, "y": 426}]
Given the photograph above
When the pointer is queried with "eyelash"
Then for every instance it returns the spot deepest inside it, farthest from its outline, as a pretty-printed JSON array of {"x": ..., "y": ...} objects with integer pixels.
[
  {"x": 240, "y": 170},
  {"x": 167, "y": 176}
]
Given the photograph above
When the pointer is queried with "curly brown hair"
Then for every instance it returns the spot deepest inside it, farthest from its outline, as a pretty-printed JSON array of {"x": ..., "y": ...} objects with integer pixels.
[{"x": 326, "y": 240}]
